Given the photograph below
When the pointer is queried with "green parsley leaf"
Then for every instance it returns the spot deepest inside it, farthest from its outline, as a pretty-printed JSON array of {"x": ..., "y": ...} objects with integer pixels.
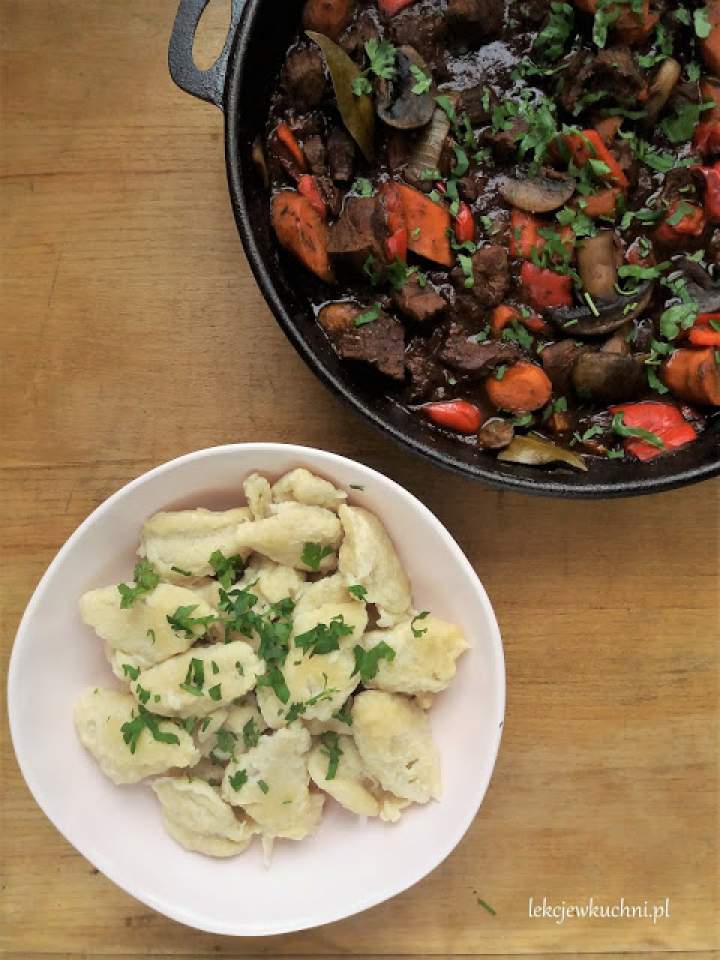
[
  {"x": 238, "y": 779},
  {"x": 382, "y": 55},
  {"x": 358, "y": 591},
  {"x": 447, "y": 106},
  {"x": 313, "y": 554},
  {"x": 550, "y": 42},
  {"x": 263, "y": 786},
  {"x": 500, "y": 372},
  {"x": 182, "y": 622},
  {"x": 619, "y": 427},
  {"x": 250, "y": 734},
  {"x": 215, "y": 693},
  {"x": 362, "y": 187},
  {"x": 194, "y": 678},
  {"x": 416, "y": 632},
  {"x": 423, "y": 82},
  {"x": 367, "y": 317},
  {"x": 227, "y": 569},
  {"x": 323, "y": 638},
  {"x": 361, "y": 86},
  {"x": 183, "y": 573},
  {"x": 367, "y": 661},
  {"x": 146, "y": 579},
  {"x": 130, "y": 671},
  {"x": 486, "y": 906},
  {"x": 701, "y": 20},
  {"x": 331, "y": 748},
  {"x": 274, "y": 678},
  {"x": 343, "y": 714},
  {"x": 145, "y": 720},
  {"x": 467, "y": 268}
]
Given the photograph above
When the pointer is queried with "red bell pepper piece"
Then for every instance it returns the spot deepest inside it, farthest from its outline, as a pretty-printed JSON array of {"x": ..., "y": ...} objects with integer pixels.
[
  {"x": 705, "y": 332},
  {"x": 545, "y": 288},
  {"x": 662, "y": 419},
  {"x": 712, "y": 191},
  {"x": 307, "y": 186},
  {"x": 706, "y": 138},
  {"x": 589, "y": 145},
  {"x": 524, "y": 235},
  {"x": 464, "y": 224},
  {"x": 692, "y": 224},
  {"x": 391, "y": 7},
  {"x": 459, "y": 415},
  {"x": 288, "y": 139}
]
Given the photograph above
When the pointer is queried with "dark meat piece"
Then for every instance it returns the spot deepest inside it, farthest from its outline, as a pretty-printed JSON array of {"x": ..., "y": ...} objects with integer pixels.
[
  {"x": 469, "y": 188},
  {"x": 316, "y": 155},
  {"x": 478, "y": 103},
  {"x": 381, "y": 343},
  {"x": 491, "y": 271},
  {"x": 558, "y": 360},
  {"x": 330, "y": 194},
  {"x": 357, "y": 35},
  {"x": 303, "y": 77},
  {"x": 360, "y": 231},
  {"x": 495, "y": 434},
  {"x": 476, "y": 21},
  {"x": 476, "y": 359},
  {"x": 426, "y": 33},
  {"x": 425, "y": 373},
  {"x": 613, "y": 71},
  {"x": 341, "y": 151},
  {"x": 504, "y": 142},
  {"x": 398, "y": 150},
  {"x": 418, "y": 303},
  {"x": 533, "y": 12}
]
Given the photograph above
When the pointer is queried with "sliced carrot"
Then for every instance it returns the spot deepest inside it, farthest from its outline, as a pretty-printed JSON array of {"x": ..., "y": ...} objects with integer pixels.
[
  {"x": 288, "y": 140},
  {"x": 302, "y": 232},
  {"x": 502, "y": 317},
  {"x": 329, "y": 17},
  {"x": 602, "y": 204},
  {"x": 428, "y": 225},
  {"x": 524, "y": 234},
  {"x": 705, "y": 332},
  {"x": 710, "y": 93},
  {"x": 694, "y": 376},
  {"x": 633, "y": 27},
  {"x": 711, "y": 46},
  {"x": 587, "y": 146},
  {"x": 522, "y": 389}
]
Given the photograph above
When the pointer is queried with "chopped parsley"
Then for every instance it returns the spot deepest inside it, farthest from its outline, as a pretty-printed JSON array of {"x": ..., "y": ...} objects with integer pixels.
[
  {"x": 619, "y": 427},
  {"x": 227, "y": 569},
  {"x": 145, "y": 720},
  {"x": 183, "y": 573},
  {"x": 182, "y": 622},
  {"x": 273, "y": 677},
  {"x": 250, "y": 734},
  {"x": 552, "y": 39},
  {"x": 263, "y": 786},
  {"x": 362, "y": 187},
  {"x": 416, "y": 631},
  {"x": 423, "y": 82},
  {"x": 368, "y": 316},
  {"x": 358, "y": 591},
  {"x": 194, "y": 678},
  {"x": 367, "y": 661},
  {"x": 323, "y": 638},
  {"x": 146, "y": 579},
  {"x": 331, "y": 748},
  {"x": 130, "y": 671},
  {"x": 313, "y": 554},
  {"x": 238, "y": 779},
  {"x": 215, "y": 693},
  {"x": 343, "y": 714}
]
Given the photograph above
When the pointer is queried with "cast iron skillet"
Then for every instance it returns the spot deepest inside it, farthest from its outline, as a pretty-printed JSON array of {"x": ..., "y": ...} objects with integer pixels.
[{"x": 241, "y": 84}]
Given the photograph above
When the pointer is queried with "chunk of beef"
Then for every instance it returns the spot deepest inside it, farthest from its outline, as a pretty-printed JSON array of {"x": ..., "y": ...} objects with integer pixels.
[
  {"x": 476, "y": 359},
  {"x": 495, "y": 434},
  {"x": 478, "y": 103},
  {"x": 303, "y": 77},
  {"x": 503, "y": 143},
  {"x": 360, "y": 231},
  {"x": 491, "y": 273},
  {"x": 418, "y": 303},
  {"x": 357, "y": 35},
  {"x": 533, "y": 13},
  {"x": 397, "y": 150},
  {"x": 424, "y": 31},
  {"x": 316, "y": 155},
  {"x": 331, "y": 195},
  {"x": 425, "y": 373},
  {"x": 558, "y": 360},
  {"x": 614, "y": 71},
  {"x": 341, "y": 153},
  {"x": 380, "y": 343},
  {"x": 476, "y": 21}
]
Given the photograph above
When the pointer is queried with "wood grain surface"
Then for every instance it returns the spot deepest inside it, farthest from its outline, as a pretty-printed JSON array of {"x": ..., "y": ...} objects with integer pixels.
[{"x": 132, "y": 332}]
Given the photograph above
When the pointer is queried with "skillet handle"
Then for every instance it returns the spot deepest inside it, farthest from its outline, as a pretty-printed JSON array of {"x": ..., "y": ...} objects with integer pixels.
[{"x": 209, "y": 84}]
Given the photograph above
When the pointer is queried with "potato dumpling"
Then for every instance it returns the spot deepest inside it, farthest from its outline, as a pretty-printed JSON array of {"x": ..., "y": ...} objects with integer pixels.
[
  {"x": 304, "y": 487},
  {"x": 395, "y": 743},
  {"x": 271, "y": 783},
  {"x": 271, "y": 582},
  {"x": 99, "y": 716},
  {"x": 322, "y": 681},
  {"x": 317, "y": 593},
  {"x": 196, "y": 816},
  {"x": 143, "y": 629},
  {"x": 283, "y": 536},
  {"x": 425, "y": 655},
  {"x": 258, "y": 496},
  {"x": 187, "y": 538},
  {"x": 238, "y": 729},
  {"x": 200, "y": 681},
  {"x": 368, "y": 557}
]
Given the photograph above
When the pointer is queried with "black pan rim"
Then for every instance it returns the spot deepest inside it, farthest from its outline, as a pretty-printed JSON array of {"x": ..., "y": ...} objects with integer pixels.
[{"x": 546, "y": 485}]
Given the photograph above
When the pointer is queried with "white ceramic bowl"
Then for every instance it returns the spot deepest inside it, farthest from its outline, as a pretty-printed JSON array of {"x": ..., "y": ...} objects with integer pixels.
[{"x": 348, "y": 865}]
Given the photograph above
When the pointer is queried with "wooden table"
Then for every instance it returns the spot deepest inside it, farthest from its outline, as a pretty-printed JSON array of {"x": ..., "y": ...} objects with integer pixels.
[{"x": 133, "y": 332}]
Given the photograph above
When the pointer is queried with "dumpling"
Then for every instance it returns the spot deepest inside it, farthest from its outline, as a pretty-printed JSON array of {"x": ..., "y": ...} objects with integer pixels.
[
  {"x": 259, "y": 498},
  {"x": 208, "y": 591},
  {"x": 422, "y": 664},
  {"x": 350, "y": 785},
  {"x": 143, "y": 629},
  {"x": 208, "y": 771},
  {"x": 187, "y": 538},
  {"x": 237, "y": 730},
  {"x": 271, "y": 582},
  {"x": 396, "y": 746},
  {"x": 125, "y": 666},
  {"x": 325, "y": 678},
  {"x": 196, "y": 816},
  {"x": 200, "y": 681},
  {"x": 282, "y": 537},
  {"x": 318, "y": 593},
  {"x": 99, "y": 717},
  {"x": 304, "y": 487},
  {"x": 271, "y": 783},
  {"x": 368, "y": 557}
]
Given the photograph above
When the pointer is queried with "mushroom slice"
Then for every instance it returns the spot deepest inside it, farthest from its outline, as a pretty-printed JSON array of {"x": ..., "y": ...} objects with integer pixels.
[
  {"x": 397, "y": 104},
  {"x": 608, "y": 315},
  {"x": 537, "y": 194}
]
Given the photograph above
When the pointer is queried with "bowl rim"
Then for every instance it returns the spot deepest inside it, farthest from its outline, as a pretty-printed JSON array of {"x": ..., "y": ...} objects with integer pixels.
[{"x": 170, "y": 909}]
